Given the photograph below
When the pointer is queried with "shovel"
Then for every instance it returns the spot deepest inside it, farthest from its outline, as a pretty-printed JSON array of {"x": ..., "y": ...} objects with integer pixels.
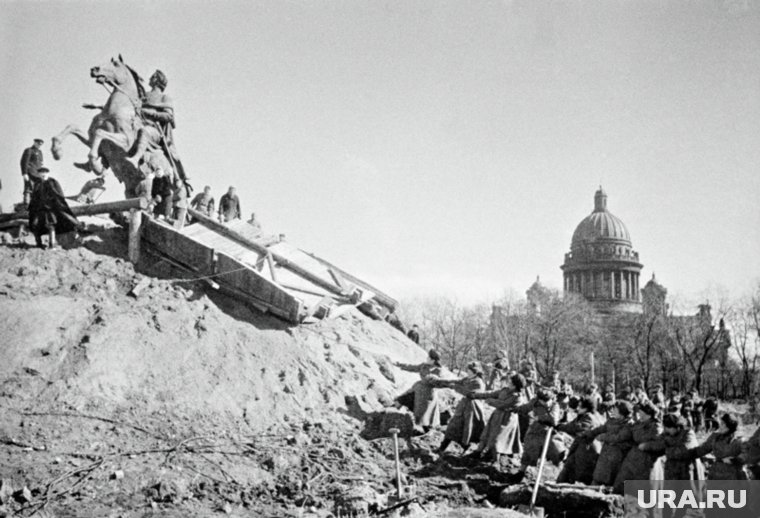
[
  {"x": 395, "y": 432},
  {"x": 532, "y": 510}
]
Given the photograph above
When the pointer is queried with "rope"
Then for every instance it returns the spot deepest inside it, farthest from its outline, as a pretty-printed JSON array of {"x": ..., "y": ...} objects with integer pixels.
[
  {"x": 202, "y": 277},
  {"x": 212, "y": 276}
]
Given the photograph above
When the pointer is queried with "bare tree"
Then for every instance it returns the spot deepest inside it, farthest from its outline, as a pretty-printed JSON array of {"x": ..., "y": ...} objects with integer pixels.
[
  {"x": 700, "y": 342},
  {"x": 562, "y": 333},
  {"x": 744, "y": 322}
]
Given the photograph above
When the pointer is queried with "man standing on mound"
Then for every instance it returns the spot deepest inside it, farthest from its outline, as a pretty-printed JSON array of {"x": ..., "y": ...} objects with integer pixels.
[{"x": 48, "y": 211}]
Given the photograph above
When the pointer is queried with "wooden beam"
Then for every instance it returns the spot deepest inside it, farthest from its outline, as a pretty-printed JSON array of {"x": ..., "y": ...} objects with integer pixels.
[
  {"x": 135, "y": 225},
  {"x": 270, "y": 261},
  {"x": 280, "y": 260},
  {"x": 382, "y": 298},
  {"x": 89, "y": 210}
]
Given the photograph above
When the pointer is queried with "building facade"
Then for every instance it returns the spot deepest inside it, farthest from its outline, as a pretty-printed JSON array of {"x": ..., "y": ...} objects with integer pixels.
[{"x": 602, "y": 265}]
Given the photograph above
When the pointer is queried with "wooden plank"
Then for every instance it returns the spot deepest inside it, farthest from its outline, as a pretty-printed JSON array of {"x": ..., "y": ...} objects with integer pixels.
[
  {"x": 90, "y": 210},
  {"x": 249, "y": 282},
  {"x": 279, "y": 259},
  {"x": 173, "y": 243}
]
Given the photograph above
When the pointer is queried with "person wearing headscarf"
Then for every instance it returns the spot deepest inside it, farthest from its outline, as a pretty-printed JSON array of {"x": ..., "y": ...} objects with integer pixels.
[
  {"x": 502, "y": 433},
  {"x": 498, "y": 371},
  {"x": 638, "y": 464},
  {"x": 584, "y": 451},
  {"x": 545, "y": 414},
  {"x": 426, "y": 407},
  {"x": 727, "y": 448},
  {"x": 466, "y": 425},
  {"x": 615, "y": 436},
  {"x": 677, "y": 443}
]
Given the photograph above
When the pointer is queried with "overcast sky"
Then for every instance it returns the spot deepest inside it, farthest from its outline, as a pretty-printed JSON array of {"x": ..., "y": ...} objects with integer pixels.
[{"x": 432, "y": 146}]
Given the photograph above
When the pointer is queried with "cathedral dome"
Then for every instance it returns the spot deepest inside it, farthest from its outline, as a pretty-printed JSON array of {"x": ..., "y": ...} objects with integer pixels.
[
  {"x": 602, "y": 265},
  {"x": 600, "y": 226}
]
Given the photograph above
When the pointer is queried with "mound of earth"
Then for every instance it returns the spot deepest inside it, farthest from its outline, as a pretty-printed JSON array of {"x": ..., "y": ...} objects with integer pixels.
[
  {"x": 144, "y": 393},
  {"x": 74, "y": 336}
]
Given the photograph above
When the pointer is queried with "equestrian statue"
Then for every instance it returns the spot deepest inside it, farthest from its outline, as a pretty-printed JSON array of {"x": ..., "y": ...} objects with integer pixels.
[{"x": 132, "y": 133}]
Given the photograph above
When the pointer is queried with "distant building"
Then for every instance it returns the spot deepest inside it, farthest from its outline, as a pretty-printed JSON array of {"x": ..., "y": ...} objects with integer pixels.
[
  {"x": 604, "y": 269},
  {"x": 602, "y": 265}
]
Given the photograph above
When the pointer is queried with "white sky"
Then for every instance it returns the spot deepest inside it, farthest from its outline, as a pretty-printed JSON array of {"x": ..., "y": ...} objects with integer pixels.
[{"x": 432, "y": 146}]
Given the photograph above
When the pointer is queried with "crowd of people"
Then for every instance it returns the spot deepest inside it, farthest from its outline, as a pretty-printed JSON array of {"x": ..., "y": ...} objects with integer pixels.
[{"x": 597, "y": 437}]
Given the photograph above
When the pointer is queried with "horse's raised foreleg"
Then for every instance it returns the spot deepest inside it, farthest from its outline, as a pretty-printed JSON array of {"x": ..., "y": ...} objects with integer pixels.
[
  {"x": 119, "y": 139},
  {"x": 56, "y": 147}
]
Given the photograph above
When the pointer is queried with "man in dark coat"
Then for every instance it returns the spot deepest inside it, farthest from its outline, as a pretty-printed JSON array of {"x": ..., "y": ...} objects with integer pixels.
[
  {"x": 162, "y": 193},
  {"x": 31, "y": 161},
  {"x": 48, "y": 211},
  {"x": 414, "y": 334},
  {"x": 229, "y": 206}
]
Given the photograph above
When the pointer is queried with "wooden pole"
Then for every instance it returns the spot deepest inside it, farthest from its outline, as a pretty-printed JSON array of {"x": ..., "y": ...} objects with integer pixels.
[
  {"x": 541, "y": 463},
  {"x": 593, "y": 378},
  {"x": 90, "y": 210},
  {"x": 135, "y": 225}
]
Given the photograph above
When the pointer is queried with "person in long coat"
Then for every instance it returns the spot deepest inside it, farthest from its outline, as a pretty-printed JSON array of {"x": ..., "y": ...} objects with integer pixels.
[
  {"x": 638, "y": 464},
  {"x": 468, "y": 421},
  {"x": 546, "y": 414},
  {"x": 426, "y": 406},
  {"x": 727, "y": 448},
  {"x": 49, "y": 213},
  {"x": 677, "y": 443},
  {"x": 615, "y": 436},
  {"x": 584, "y": 452},
  {"x": 502, "y": 433},
  {"x": 751, "y": 454}
]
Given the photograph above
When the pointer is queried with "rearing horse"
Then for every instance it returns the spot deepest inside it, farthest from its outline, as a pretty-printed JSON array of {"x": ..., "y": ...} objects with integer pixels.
[{"x": 113, "y": 131}]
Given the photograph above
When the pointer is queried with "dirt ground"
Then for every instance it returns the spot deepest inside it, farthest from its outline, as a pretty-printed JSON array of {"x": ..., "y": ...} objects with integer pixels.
[{"x": 177, "y": 401}]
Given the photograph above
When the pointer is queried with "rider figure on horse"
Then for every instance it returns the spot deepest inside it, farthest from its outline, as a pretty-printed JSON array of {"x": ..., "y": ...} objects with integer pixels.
[{"x": 157, "y": 111}]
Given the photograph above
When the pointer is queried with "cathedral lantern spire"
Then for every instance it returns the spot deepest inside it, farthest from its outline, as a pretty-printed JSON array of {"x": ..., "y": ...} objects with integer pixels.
[{"x": 600, "y": 200}]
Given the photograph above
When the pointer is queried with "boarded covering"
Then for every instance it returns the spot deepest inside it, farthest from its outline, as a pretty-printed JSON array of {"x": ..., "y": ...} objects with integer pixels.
[
  {"x": 268, "y": 272},
  {"x": 250, "y": 283},
  {"x": 180, "y": 248}
]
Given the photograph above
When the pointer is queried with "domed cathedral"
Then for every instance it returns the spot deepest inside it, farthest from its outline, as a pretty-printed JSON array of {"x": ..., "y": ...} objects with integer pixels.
[{"x": 602, "y": 265}]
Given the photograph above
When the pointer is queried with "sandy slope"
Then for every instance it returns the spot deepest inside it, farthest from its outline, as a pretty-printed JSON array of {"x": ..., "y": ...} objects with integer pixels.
[{"x": 73, "y": 336}]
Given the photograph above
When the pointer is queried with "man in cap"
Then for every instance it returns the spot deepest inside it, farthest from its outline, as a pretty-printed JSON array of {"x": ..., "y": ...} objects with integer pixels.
[
  {"x": 31, "y": 161},
  {"x": 48, "y": 211},
  {"x": 204, "y": 202},
  {"x": 229, "y": 206}
]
